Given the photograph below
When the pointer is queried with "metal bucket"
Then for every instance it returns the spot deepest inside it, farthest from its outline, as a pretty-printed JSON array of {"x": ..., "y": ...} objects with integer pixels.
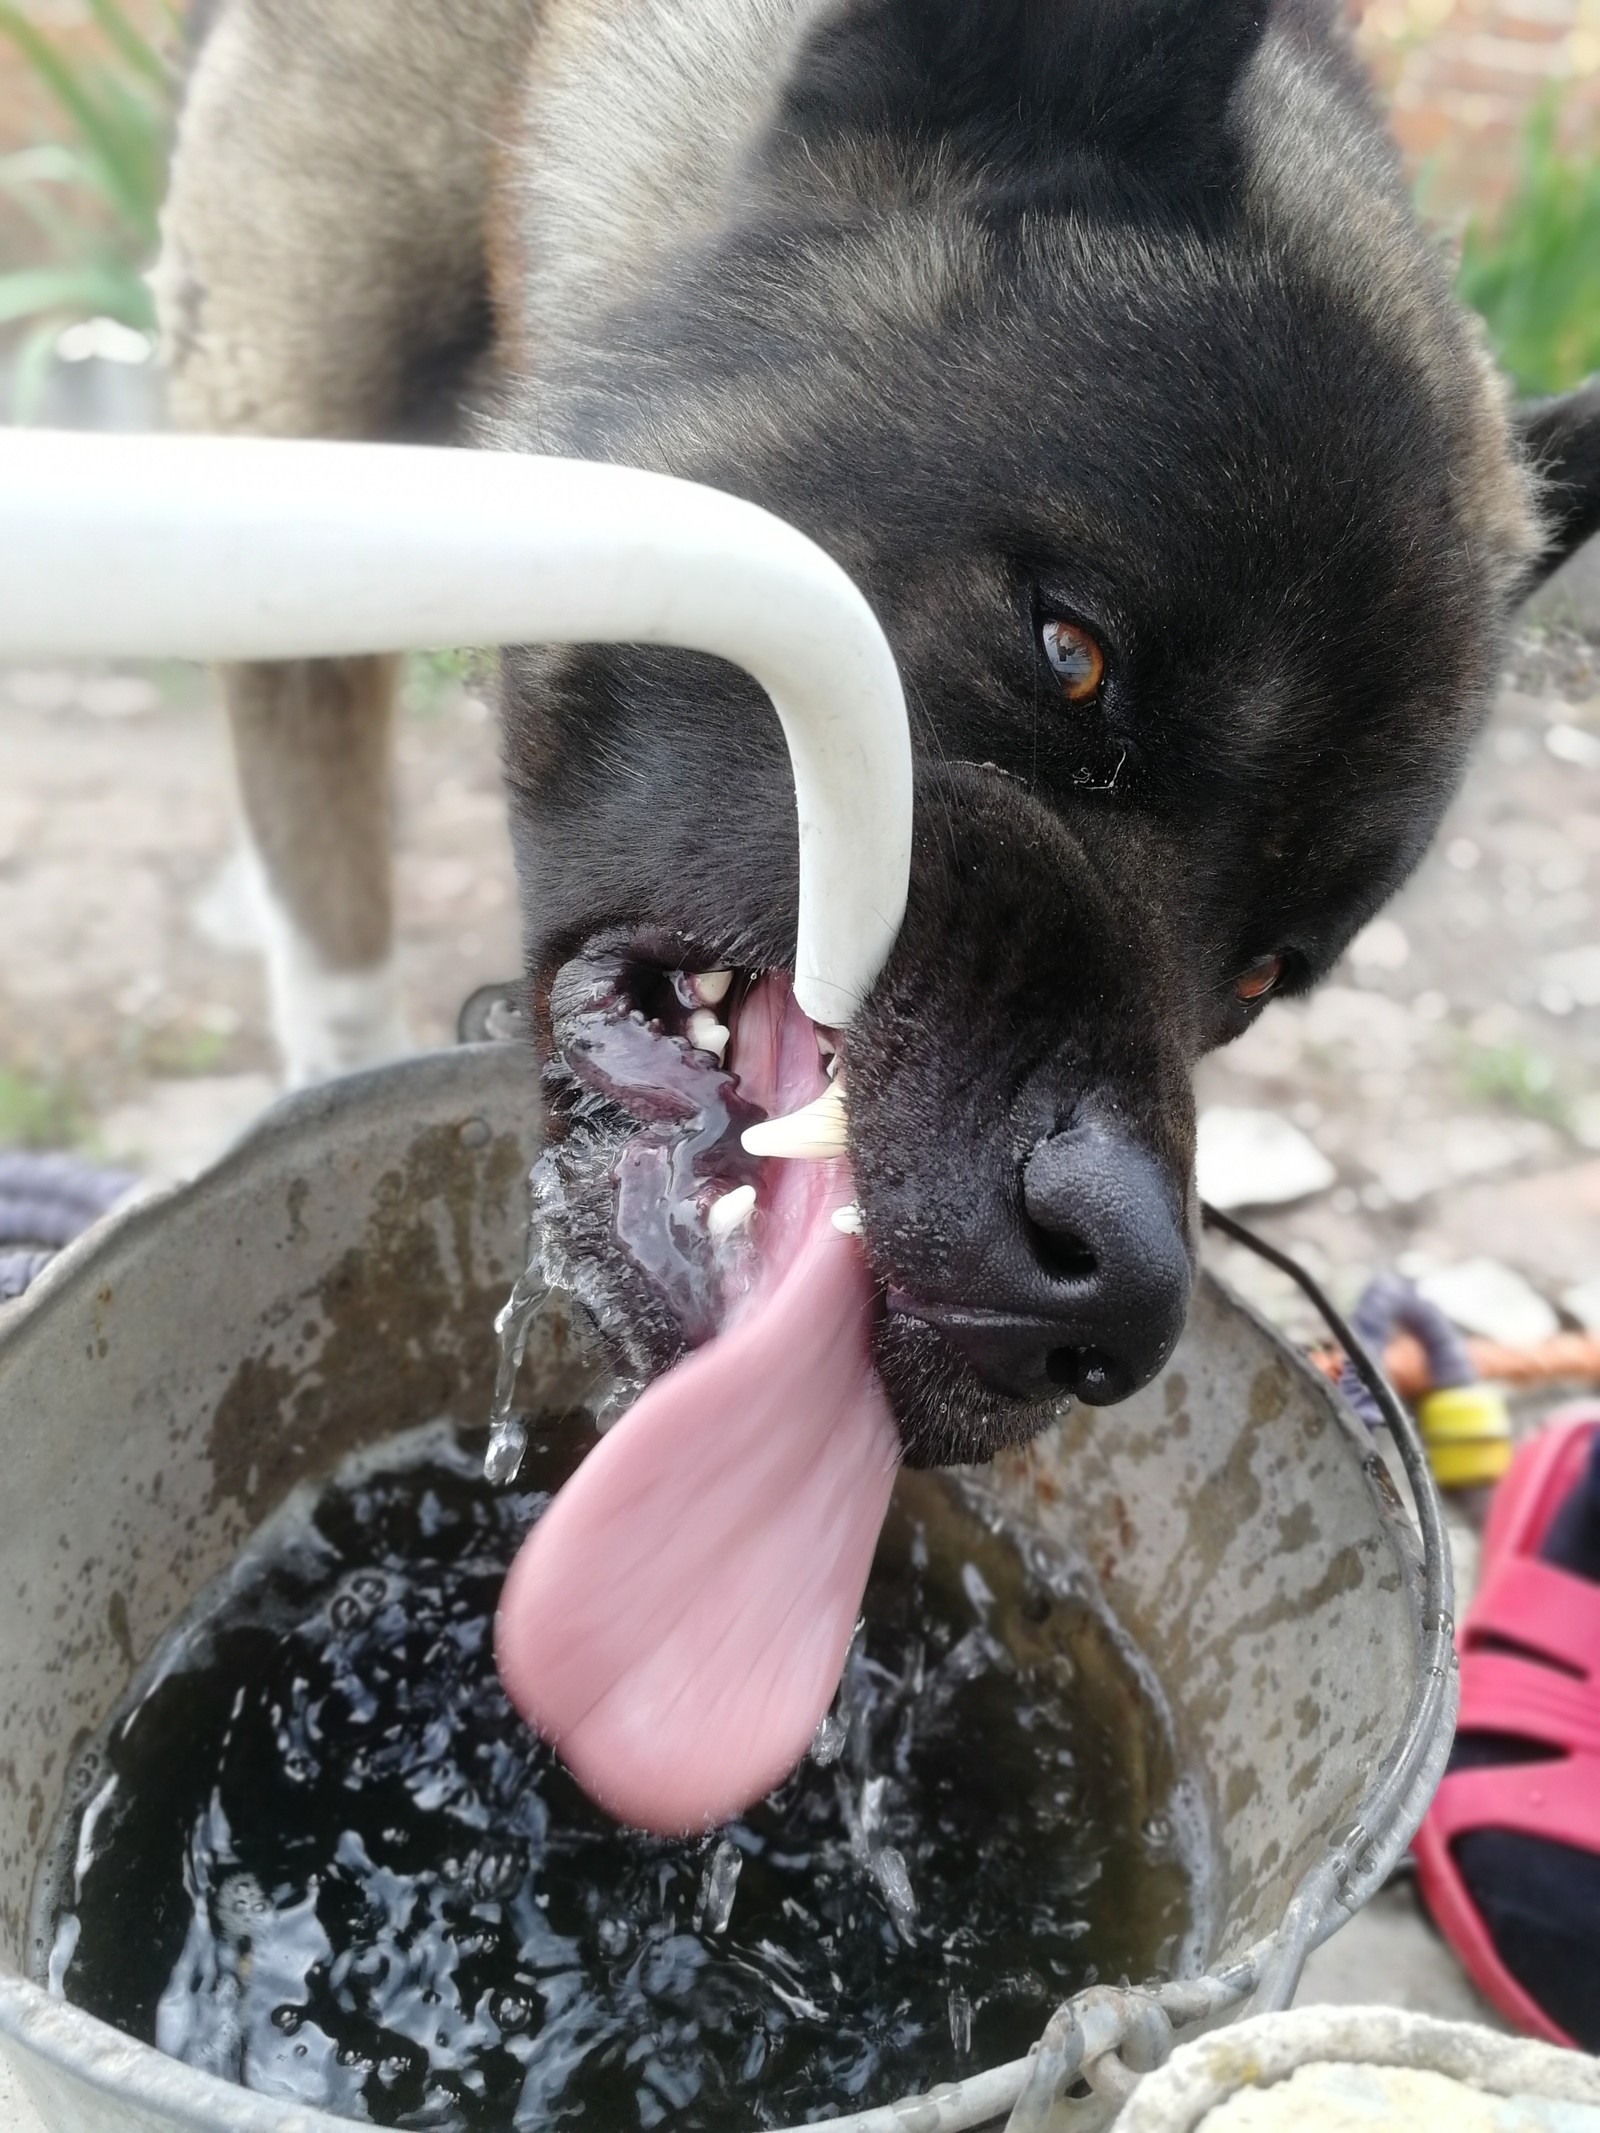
[{"x": 332, "y": 1281}]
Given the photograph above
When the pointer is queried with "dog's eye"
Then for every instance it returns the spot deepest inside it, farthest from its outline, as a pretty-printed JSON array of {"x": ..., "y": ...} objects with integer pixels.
[
  {"x": 1263, "y": 976},
  {"x": 1075, "y": 659}
]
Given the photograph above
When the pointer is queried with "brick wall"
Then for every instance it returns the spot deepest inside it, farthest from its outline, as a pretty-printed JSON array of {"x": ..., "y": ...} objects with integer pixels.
[{"x": 1461, "y": 77}]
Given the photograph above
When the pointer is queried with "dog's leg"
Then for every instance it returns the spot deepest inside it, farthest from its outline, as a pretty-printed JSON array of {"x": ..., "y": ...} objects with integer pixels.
[
  {"x": 322, "y": 275},
  {"x": 311, "y": 746}
]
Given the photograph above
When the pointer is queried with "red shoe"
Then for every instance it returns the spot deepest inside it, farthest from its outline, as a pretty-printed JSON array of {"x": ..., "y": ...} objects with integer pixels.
[{"x": 1530, "y": 1668}]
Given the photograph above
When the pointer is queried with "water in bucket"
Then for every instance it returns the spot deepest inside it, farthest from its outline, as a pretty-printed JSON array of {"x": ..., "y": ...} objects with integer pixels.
[{"x": 316, "y": 1852}]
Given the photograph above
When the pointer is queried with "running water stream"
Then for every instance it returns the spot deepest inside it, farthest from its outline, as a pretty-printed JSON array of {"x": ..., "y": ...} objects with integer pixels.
[{"x": 315, "y": 1852}]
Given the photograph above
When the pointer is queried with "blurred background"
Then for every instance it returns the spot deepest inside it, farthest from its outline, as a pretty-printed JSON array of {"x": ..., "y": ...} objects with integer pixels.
[{"x": 1436, "y": 1107}]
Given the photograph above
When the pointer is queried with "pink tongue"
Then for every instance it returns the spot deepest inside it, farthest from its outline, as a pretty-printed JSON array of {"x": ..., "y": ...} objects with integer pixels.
[{"x": 677, "y": 1622}]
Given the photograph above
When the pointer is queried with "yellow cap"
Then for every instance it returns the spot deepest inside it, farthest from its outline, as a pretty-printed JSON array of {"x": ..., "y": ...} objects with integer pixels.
[{"x": 1468, "y": 1434}]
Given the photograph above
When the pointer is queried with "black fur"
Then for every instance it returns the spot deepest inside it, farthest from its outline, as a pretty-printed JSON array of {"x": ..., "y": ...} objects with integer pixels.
[
  {"x": 1036, "y": 95},
  {"x": 1145, "y": 397},
  {"x": 1563, "y": 439}
]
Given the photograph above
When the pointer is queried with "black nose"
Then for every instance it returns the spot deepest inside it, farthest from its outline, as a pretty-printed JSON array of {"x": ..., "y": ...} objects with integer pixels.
[{"x": 1096, "y": 1290}]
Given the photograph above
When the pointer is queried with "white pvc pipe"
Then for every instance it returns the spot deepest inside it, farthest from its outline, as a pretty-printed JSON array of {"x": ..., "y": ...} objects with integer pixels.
[{"x": 225, "y": 548}]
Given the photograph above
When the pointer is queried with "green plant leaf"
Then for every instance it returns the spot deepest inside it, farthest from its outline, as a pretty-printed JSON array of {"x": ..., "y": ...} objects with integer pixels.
[
  {"x": 48, "y": 163},
  {"x": 121, "y": 145},
  {"x": 91, "y": 289},
  {"x": 134, "y": 46},
  {"x": 1533, "y": 269}
]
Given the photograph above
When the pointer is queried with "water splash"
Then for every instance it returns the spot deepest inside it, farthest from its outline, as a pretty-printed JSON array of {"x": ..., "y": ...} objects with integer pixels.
[
  {"x": 961, "y": 2022},
  {"x": 715, "y": 1907},
  {"x": 508, "y": 1433},
  {"x": 828, "y": 1742},
  {"x": 894, "y": 1884}
]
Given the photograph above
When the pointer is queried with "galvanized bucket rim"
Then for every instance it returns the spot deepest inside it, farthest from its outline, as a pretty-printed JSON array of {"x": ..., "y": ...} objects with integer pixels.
[{"x": 1087, "y": 2034}]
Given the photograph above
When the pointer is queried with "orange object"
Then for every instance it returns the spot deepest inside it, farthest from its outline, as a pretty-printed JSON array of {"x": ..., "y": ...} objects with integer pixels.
[{"x": 1570, "y": 1358}]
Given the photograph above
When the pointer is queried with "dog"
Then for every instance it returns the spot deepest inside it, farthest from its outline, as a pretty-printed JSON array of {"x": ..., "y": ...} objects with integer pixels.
[{"x": 1098, "y": 341}]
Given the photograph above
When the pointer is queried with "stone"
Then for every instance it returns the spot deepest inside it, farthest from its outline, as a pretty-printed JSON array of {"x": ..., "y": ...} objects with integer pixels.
[
  {"x": 1381, "y": 945},
  {"x": 1270, "y": 1050},
  {"x": 1257, "y": 1159},
  {"x": 1484, "y": 1296},
  {"x": 118, "y": 696},
  {"x": 1573, "y": 744},
  {"x": 1574, "y": 972},
  {"x": 42, "y": 689},
  {"x": 1390, "y": 1953},
  {"x": 1546, "y": 1226},
  {"x": 1435, "y": 1153},
  {"x": 1359, "y": 1031}
]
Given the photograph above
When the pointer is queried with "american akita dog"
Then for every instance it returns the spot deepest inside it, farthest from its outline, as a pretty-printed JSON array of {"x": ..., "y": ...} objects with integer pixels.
[{"x": 1098, "y": 340}]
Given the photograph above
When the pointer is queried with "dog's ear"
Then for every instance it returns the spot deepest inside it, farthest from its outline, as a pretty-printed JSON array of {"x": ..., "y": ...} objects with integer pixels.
[
  {"x": 1562, "y": 437},
  {"x": 1035, "y": 82}
]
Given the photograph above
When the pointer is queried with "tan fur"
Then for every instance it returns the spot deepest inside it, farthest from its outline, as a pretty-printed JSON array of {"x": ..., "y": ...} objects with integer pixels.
[
  {"x": 635, "y": 115},
  {"x": 311, "y": 748},
  {"x": 322, "y": 245}
]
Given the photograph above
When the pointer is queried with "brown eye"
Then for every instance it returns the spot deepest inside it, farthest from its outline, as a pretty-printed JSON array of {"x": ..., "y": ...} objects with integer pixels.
[
  {"x": 1075, "y": 659},
  {"x": 1261, "y": 978}
]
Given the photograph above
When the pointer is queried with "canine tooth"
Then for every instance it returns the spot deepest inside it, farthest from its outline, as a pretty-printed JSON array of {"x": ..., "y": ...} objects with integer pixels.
[
  {"x": 731, "y": 1211},
  {"x": 712, "y": 986},
  {"x": 816, "y": 1131},
  {"x": 847, "y": 1220},
  {"x": 707, "y": 1034}
]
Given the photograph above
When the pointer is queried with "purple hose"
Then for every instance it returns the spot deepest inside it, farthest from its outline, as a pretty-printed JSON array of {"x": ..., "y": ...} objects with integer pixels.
[
  {"x": 1391, "y": 1304},
  {"x": 17, "y": 1269},
  {"x": 46, "y": 1201}
]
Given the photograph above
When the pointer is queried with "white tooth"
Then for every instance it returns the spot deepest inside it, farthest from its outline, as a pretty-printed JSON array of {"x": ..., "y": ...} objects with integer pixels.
[
  {"x": 817, "y": 1131},
  {"x": 847, "y": 1220},
  {"x": 732, "y": 1211},
  {"x": 712, "y": 986},
  {"x": 827, "y": 1043},
  {"x": 706, "y": 1033}
]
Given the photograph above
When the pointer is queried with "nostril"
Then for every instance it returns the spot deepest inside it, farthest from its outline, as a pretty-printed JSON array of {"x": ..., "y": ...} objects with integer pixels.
[
  {"x": 1061, "y": 1367},
  {"x": 1060, "y": 1251}
]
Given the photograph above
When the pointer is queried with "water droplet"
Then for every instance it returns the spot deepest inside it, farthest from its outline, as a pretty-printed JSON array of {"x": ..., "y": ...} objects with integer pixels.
[
  {"x": 715, "y": 1907},
  {"x": 960, "y": 2022},
  {"x": 508, "y": 1443},
  {"x": 827, "y": 1743},
  {"x": 894, "y": 1885}
]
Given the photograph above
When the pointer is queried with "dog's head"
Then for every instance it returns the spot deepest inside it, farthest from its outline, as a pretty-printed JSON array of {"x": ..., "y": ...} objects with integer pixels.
[{"x": 1098, "y": 343}]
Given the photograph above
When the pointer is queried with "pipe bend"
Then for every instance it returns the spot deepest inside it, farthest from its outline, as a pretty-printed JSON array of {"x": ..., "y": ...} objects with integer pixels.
[{"x": 233, "y": 548}]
